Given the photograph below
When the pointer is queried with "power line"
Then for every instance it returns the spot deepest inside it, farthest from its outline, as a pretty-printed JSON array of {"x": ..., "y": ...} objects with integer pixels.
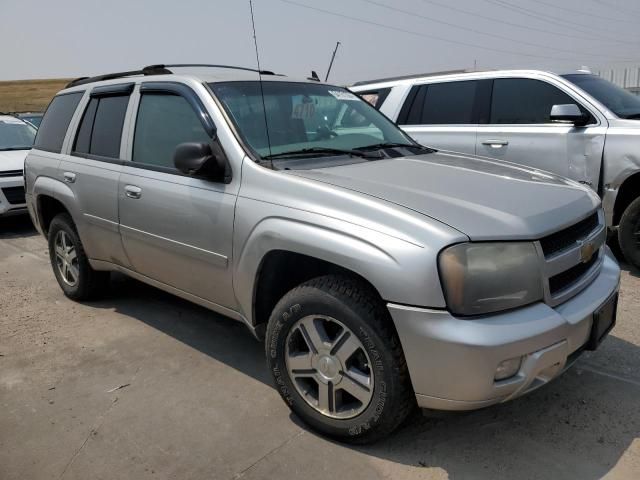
[
  {"x": 494, "y": 35},
  {"x": 419, "y": 34},
  {"x": 549, "y": 18},
  {"x": 613, "y": 5},
  {"x": 575, "y": 11},
  {"x": 521, "y": 25}
]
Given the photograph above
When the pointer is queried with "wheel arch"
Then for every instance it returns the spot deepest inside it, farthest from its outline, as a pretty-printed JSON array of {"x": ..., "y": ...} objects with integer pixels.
[
  {"x": 50, "y": 198},
  {"x": 629, "y": 190},
  {"x": 282, "y": 253}
]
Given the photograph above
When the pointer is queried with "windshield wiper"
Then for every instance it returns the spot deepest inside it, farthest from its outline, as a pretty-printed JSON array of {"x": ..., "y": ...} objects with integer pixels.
[
  {"x": 383, "y": 145},
  {"x": 321, "y": 151},
  {"x": 633, "y": 116},
  {"x": 11, "y": 149}
]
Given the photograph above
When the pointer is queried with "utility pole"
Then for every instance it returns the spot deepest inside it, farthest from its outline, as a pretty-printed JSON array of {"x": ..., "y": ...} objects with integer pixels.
[{"x": 332, "y": 59}]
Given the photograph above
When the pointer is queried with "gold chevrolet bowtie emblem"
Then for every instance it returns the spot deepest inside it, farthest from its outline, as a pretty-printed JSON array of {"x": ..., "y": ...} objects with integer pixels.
[{"x": 586, "y": 251}]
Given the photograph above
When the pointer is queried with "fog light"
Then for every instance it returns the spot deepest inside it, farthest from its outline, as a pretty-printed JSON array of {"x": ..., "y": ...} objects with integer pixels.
[{"x": 508, "y": 368}]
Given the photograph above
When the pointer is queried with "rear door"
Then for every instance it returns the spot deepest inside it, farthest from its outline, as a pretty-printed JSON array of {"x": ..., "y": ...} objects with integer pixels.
[
  {"x": 93, "y": 167},
  {"x": 176, "y": 229},
  {"x": 442, "y": 115},
  {"x": 519, "y": 130}
]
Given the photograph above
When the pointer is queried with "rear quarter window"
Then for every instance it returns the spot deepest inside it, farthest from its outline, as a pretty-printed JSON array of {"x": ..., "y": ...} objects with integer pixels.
[{"x": 56, "y": 121}]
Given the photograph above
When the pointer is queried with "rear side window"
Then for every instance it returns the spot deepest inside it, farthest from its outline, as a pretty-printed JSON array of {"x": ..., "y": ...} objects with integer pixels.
[
  {"x": 56, "y": 121},
  {"x": 164, "y": 121},
  {"x": 100, "y": 130},
  {"x": 524, "y": 101},
  {"x": 450, "y": 103}
]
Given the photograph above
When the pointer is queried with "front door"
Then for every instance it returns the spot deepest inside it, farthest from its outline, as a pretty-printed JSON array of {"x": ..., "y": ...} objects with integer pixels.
[
  {"x": 519, "y": 131},
  {"x": 176, "y": 229}
]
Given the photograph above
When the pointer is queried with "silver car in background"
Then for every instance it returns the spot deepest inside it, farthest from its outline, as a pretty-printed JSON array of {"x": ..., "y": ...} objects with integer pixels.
[
  {"x": 577, "y": 125},
  {"x": 380, "y": 274}
]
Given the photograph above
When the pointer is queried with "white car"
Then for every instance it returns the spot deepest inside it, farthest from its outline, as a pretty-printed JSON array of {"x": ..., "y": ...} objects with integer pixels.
[{"x": 16, "y": 139}]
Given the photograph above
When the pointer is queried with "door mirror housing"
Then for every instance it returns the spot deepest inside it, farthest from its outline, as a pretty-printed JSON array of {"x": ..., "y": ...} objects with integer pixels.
[
  {"x": 569, "y": 113},
  {"x": 200, "y": 159}
]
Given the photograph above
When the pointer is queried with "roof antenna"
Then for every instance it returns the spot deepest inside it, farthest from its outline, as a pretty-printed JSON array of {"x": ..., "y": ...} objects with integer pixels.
[
  {"x": 333, "y": 57},
  {"x": 264, "y": 108}
]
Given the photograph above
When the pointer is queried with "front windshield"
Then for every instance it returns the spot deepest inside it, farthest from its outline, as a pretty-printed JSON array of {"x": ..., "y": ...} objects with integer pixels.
[
  {"x": 15, "y": 134},
  {"x": 303, "y": 116},
  {"x": 624, "y": 104}
]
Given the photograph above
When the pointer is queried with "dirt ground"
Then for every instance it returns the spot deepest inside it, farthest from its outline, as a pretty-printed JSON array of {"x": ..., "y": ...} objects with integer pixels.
[{"x": 142, "y": 385}]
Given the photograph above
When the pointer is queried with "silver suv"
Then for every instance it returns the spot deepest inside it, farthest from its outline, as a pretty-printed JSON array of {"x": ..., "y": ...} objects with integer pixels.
[
  {"x": 379, "y": 273},
  {"x": 577, "y": 125}
]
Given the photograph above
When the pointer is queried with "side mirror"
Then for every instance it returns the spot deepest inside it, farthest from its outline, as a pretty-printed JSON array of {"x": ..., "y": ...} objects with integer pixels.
[
  {"x": 198, "y": 159},
  {"x": 569, "y": 113}
]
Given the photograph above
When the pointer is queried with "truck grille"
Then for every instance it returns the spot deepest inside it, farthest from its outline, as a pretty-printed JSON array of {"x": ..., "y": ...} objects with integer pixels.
[
  {"x": 567, "y": 271},
  {"x": 11, "y": 173},
  {"x": 569, "y": 278},
  {"x": 14, "y": 195},
  {"x": 567, "y": 238}
]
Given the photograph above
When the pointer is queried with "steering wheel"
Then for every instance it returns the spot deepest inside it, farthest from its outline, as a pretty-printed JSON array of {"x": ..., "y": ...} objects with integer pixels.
[{"x": 324, "y": 133}]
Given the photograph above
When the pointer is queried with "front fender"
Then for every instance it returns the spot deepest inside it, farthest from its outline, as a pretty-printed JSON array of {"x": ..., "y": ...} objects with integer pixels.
[{"x": 400, "y": 271}]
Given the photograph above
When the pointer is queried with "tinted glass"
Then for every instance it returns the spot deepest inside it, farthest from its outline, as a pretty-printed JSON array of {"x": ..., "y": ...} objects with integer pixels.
[
  {"x": 624, "y": 104},
  {"x": 303, "y": 116},
  {"x": 83, "y": 137},
  {"x": 522, "y": 100},
  {"x": 107, "y": 126},
  {"x": 15, "y": 134},
  {"x": 56, "y": 121},
  {"x": 164, "y": 122},
  {"x": 449, "y": 103}
]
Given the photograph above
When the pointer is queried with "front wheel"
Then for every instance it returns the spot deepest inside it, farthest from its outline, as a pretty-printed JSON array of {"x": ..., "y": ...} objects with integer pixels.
[
  {"x": 629, "y": 233},
  {"x": 337, "y": 360}
]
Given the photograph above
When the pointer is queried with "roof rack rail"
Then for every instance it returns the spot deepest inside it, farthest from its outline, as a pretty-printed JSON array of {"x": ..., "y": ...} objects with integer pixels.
[
  {"x": 159, "y": 69},
  {"x": 415, "y": 75}
]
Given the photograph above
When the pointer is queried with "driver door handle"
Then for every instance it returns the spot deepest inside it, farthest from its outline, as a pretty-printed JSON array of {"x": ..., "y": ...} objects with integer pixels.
[
  {"x": 132, "y": 191},
  {"x": 495, "y": 143}
]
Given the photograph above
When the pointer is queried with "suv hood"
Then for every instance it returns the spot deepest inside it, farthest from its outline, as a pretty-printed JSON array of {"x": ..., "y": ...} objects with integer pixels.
[
  {"x": 12, "y": 160},
  {"x": 484, "y": 199}
]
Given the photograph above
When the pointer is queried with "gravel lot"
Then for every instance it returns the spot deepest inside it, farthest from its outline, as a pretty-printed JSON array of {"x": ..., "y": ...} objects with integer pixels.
[{"x": 145, "y": 385}]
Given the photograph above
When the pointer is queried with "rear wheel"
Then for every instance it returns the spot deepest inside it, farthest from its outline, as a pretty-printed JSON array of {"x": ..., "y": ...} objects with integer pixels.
[
  {"x": 70, "y": 264},
  {"x": 629, "y": 233},
  {"x": 337, "y": 361}
]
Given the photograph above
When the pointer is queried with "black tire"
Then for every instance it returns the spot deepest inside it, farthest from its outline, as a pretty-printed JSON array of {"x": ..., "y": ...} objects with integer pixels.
[
  {"x": 90, "y": 283},
  {"x": 358, "y": 308},
  {"x": 629, "y": 233}
]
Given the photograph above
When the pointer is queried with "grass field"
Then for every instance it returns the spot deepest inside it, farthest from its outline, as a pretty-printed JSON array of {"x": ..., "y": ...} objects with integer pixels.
[{"x": 28, "y": 95}]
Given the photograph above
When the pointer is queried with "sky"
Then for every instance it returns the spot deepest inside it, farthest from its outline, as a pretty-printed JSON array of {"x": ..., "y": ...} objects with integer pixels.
[{"x": 379, "y": 38}]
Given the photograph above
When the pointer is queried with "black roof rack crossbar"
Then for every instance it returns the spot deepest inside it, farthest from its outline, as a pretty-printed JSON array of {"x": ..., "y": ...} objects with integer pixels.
[{"x": 159, "y": 69}]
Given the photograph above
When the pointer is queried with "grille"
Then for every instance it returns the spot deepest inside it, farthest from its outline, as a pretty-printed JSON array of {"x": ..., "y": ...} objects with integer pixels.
[
  {"x": 11, "y": 173},
  {"x": 566, "y": 279},
  {"x": 564, "y": 239},
  {"x": 15, "y": 195}
]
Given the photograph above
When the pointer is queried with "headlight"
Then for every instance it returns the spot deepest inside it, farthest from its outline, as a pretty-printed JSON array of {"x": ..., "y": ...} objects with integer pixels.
[{"x": 481, "y": 278}]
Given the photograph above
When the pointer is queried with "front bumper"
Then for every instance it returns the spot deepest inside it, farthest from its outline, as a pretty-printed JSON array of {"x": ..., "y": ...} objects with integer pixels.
[
  {"x": 452, "y": 361},
  {"x": 9, "y": 206}
]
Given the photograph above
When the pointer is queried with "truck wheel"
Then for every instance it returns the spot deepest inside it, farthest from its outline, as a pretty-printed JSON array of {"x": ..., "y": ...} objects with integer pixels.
[
  {"x": 337, "y": 360},
  {"x": 70, "y": 264},
  {"x": 629, "y": 233}
]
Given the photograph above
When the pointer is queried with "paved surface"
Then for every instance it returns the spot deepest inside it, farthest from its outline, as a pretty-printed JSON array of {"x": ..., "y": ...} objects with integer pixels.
[{"x": 195, "y": 399}]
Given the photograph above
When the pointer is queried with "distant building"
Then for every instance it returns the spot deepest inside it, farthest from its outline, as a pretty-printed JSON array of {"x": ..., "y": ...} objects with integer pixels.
[{"x": 625, "y": 77}]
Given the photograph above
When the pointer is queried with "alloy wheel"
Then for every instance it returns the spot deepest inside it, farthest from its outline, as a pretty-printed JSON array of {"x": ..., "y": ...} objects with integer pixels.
[{"x": 329, "y": 367}]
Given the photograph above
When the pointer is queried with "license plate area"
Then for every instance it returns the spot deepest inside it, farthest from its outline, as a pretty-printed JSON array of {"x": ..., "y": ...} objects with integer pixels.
[{"x": 604, "y": 319}]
